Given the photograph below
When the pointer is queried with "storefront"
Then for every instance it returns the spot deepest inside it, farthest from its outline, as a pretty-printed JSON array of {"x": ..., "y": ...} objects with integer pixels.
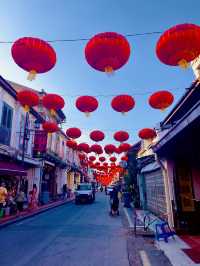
[{"x": 14, "y": 176}]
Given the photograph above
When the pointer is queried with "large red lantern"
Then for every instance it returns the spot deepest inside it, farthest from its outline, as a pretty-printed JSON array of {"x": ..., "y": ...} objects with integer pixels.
[
  {"x": 147, "y": 134},
  {"x": 102, "y": 159},
  {"x": 117, "y": 150},
  {"x": 179, "y": 45},
  {"x": 113, "y": 159},
  {"x": 96, "y": 149},
  {"x": 50, "y": 127},
  {"x": 83, "y": 147},
  {"x": 87, "y": 104},
  {"x": 53, "y": 102},
  {"x": 97, "y": 135},
  {"x": 71, "y": 144},
  {"x": 124, "y": 147},
  {"x": 161, "y": 100},
  {"x": 33, "y": 55},
  {"x": 123, "y": 103},
  {"x": 121, "y": 136},
  {"x": 107, "y": 51},
  {"x": 73, "y": 132},
  {"x": 28, "y": 99},
  {"x": 109, "y": 149},
  {"x": 92, "y": 158}
]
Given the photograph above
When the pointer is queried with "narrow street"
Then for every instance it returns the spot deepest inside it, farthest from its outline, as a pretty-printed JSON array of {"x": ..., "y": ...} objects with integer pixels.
[{"x": 68, "y": 235}]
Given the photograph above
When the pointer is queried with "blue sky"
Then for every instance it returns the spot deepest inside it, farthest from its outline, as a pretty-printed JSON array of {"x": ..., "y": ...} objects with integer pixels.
[{"x": 66, "y": 19}]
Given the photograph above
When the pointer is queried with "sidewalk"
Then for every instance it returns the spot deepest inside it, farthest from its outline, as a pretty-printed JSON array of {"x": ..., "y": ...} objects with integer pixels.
[
  {"x": 174, "y": 248},
  {"x": 26, "y": 214}
]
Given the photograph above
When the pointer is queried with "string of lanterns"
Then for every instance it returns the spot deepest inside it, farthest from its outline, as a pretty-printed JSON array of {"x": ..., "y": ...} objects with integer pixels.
[{"x": 106, "y": 52}]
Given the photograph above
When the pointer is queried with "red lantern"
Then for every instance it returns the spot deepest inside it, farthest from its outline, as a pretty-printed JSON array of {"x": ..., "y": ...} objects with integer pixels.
[
  {"x": 118, "y": 151},
  {"x": 73, "y": 132},
  {"x": 113, "y": 159},
  {"x": 121, "y": 136},
  {"x": 107, "y": 51},
  {"x": 81, "y": 156},
  {"x": 161, "y": 100},
  {"x": 92, "y": 158},
  {"x": 50, "y": 127},
  {"x": 97, "y": 135},
  {"x": 147, "y": 134},
  {"x": 33, "y": 55},
  {"x": 71, "y": 144},
  {"x": 84, "y": 147},
  {"x": 53, "y": 102},
  {"x": 124, "y": 147},
  {"x": 109, "y": 149},
  {"x": 102, "y": 159},
  {"x": 97, "y": 164},
  {"x": 123, "y": 103},
  {"x": 96, "y": 148},
  {"x": 179, "y": 45},
  {"x": 28, "y": 99},
  {"x": 124, "y": 158},
  {"x": 105, "y": 164},
  {"x": 86, "y": 104}
]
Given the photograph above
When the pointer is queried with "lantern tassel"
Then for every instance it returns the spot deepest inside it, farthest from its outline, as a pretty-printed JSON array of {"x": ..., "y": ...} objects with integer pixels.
[
  {"x": 26, "y": 108},
  {"x": 183, "y": 64},
  {"x": 32, "y": 74},
  {"x": 123, "y": 113},
  {"x": 109, "y": 70},
  {"x": 87, "y": 114},
  {"x": 53, "y": 112}
]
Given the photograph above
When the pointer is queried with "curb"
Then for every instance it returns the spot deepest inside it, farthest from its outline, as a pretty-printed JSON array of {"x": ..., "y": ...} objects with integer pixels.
[{"x": 26, "y": 216}]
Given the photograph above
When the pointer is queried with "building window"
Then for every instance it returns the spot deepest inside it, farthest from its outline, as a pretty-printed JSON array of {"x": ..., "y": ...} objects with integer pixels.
[{"x": 6, "y": 124}]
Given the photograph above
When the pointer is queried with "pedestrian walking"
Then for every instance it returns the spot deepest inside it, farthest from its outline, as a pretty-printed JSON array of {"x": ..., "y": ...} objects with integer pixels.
[
  {"x": 64, "y": 191},
  {"x": 20, "y": 200}
]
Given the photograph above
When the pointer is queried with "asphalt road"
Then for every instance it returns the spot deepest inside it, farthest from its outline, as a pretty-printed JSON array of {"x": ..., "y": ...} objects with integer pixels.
[{"x": 83, "y": 235}]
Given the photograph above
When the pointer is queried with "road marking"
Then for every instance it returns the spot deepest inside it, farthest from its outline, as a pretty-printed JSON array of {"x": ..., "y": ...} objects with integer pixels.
[
  {"x": 144, "y": 258},
  {"x": 131, "y": 225}
]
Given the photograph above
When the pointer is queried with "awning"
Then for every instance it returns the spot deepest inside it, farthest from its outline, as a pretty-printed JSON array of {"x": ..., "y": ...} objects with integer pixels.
[
  {"x": 11, "y": 168},
  {"x": 150, "y": 167}
]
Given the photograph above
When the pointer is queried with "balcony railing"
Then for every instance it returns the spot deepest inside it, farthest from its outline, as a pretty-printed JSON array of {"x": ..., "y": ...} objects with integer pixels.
[{"x": 5, "y": 135}]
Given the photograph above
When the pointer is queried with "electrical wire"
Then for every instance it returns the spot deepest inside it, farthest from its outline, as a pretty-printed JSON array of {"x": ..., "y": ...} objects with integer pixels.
[{"x": 87, "y": 39}]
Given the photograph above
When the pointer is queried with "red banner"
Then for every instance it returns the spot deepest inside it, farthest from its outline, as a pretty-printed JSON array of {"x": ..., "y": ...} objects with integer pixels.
[{"x": 40, "y": 141}]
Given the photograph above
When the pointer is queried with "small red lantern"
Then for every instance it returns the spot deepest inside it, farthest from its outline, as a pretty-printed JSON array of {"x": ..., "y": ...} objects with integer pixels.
[
  {"x": 179, "y": 45},
  {"x": 97, "y": 164},
  {"x": 96, "y": 149},
  {"x": 161, "y": 100},
  {"x": 73, "y": 132},
  {"x": 33, "y": 55},
  {"x": 102, "y": 159},
  {"x": 97, "y": 135},
  {"x": 50, "y": 127},
  {"x": 124, "y": 158},
  {"x": 107, "y": 51},
  {"x": 105, "y": 164},
  {"x": 123, "y": 103},
  {"x": 124, "y": 147},
  {"x": 121, "y": 136},
  {"x": 109, "y": 149},
  {"x": 118, "y": 151},
  {"x": 71, "y": 144},
  {"x": 53, "y": 102},
  {"x": 28, "y": 99},
  {"x": 83, "y": 147},
  {"x": 113, "y": 159},
  {"x": 87, "y": 104},
  {"x": 92, "y": 158},
  {"x": 147, "y": 134},
  {"x": 81, "y": 156}
]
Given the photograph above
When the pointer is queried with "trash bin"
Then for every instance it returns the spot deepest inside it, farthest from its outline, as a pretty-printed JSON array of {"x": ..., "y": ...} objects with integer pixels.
[{"x": 127, "y": 199}]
